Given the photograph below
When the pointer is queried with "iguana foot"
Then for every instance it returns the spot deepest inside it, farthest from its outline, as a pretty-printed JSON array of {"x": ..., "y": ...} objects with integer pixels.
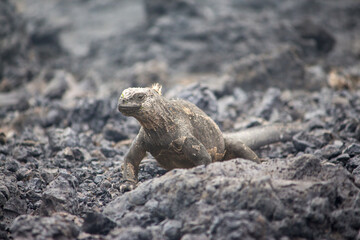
[{"x": 127, "y": 186}]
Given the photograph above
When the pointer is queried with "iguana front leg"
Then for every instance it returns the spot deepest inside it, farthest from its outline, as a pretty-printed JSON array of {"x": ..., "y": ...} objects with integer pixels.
[{"x": 131, "y": 163}]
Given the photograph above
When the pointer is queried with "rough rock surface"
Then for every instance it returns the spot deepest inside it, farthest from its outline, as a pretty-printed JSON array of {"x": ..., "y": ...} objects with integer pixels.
[
  {"x": 63, "y": 65},
  {"x": 298, "y": 198},
  {"x": 259, "y": 43},
  {"x": 59, "y": 226}
]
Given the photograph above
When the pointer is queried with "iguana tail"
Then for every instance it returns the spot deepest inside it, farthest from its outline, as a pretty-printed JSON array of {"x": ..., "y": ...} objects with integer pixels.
[{"x": 257, "y": 137}]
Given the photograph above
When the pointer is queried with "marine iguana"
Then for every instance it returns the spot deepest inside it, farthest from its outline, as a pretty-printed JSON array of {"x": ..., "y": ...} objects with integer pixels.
[{"x": 180, "y": 135}]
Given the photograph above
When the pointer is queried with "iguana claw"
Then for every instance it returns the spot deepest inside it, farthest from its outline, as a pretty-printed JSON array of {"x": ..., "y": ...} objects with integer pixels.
[{"x": 127, "y": 186}]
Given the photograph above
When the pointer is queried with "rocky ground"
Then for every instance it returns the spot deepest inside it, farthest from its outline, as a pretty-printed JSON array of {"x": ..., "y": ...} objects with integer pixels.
[{"x": 63, "y": 64}]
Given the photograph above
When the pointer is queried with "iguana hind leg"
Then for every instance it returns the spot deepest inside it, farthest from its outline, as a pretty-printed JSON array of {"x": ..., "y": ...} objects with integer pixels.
[
  {"x": 237, "y": 149},
  {"x": 195, "y": 152}
]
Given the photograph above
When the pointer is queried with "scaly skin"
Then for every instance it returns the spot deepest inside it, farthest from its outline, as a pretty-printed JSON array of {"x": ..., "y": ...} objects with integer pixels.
[{"x": 180, "y": 135}]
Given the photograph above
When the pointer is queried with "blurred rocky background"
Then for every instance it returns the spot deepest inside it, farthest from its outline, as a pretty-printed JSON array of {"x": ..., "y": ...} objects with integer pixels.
[{"x": 64, "y": 63}]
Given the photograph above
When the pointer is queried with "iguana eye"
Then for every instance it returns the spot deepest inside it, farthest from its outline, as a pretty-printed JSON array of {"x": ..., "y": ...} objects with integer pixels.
[{"x": 141, "y": 96}]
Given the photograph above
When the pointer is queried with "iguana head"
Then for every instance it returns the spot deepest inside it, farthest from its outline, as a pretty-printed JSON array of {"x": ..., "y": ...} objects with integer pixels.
[{"x": 138, "y": 101}]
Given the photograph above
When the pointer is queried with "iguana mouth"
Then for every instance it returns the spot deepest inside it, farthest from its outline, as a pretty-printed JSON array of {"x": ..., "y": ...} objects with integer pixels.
[{"x": 128, "y": 109}]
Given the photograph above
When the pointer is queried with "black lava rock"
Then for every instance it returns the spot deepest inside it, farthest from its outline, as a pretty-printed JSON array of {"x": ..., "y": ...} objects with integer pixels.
[
  {"x": 97, "y": 223},
  {"x": 62, "y": 138},
  {"x": 35, "y": 227},
  {"x": 60, "y": 195},
  {"x": 353, "y": 149}
]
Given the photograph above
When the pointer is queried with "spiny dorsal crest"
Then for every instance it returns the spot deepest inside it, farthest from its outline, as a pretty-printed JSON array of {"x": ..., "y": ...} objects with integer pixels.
[{"x": 157, "y": 87}]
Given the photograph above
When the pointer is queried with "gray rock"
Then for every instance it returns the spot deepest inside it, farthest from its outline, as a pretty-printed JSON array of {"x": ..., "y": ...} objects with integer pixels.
[
  {"x": 156, "y": 9},
  {"x": 54, "y": 116},
  {"x": 114, "y": 132},
  {"x": 266, "y": 206},
  {"x": 78, "y": 154},
  {"x": 4, "y": 149},
  {"x": 96, "y": 223},
  {"x": 353, "y": 149},
  {"x": 131, "y": 233},
  {"x": 58, "y": 85},
  {"x": 274, "y": 48},
  {"x": 343, "y": 158},
  {"x": 147, "y": 73},
  {"x": 330, "y": 151},
  {"x": 90, "y": 113},
  {"x": 109, "y": 152},
  {"x": 5, "y": 191},
  {"x": 23, "y": 173},
  {"x": 268, "y": 103},
  {"x": 12, "y": 165},
  {"x": 3, "y": 199},
  {"x": 315, "y": 139},
  {"x": 35, "y": 227},
  {"x": 16, "y": 205},
  {"x": 60, "y": 195},
  {"x": 171, "y": 229},
  {"x": 253, "y": 71},
  {"x": 346, "y": 222},
  {"x": 301, "y": 144},
  {"x": 72, "y": 154},
  {"x": 304, "y": 166},
  {"x": 20, "y": 153},
  {"x": 16, "y": 100},
  {"x": 105, "y": 184},
  {"x": 353, "y": 163},
  {"x": 195, "y": 237},
  {"x": 324, "y": 41},
  {"x": 62, "y": 138},
  {"x": 240, "y": 225}
]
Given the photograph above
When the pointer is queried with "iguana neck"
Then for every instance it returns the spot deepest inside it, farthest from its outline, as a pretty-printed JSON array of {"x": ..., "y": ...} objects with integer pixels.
[{"x": 156, "y": 118}]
